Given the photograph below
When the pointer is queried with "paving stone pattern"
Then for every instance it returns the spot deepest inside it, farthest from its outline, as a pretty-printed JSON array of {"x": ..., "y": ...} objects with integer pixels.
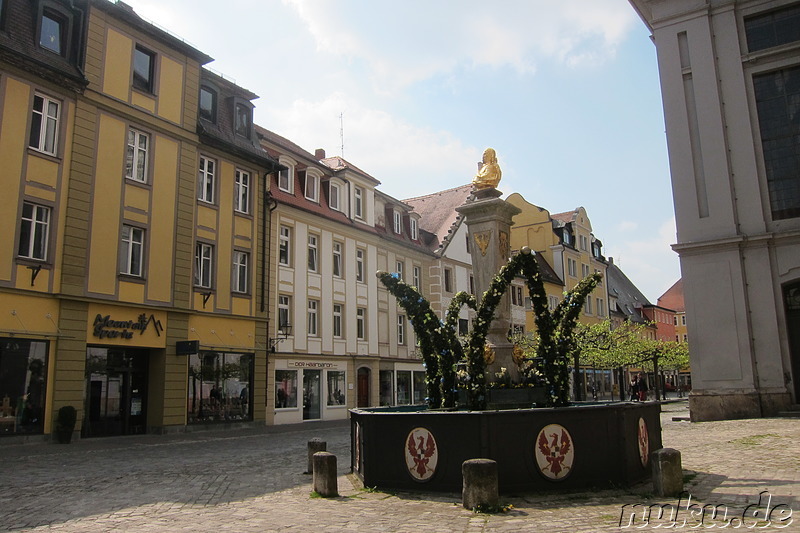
[{"x": 252, "y": 481}]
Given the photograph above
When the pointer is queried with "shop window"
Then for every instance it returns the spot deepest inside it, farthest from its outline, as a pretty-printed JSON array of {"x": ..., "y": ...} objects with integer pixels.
[
  {"x": 220, "y": 387},
  {"x": 420, "y": 389},
  {"x": 45, "y": 118},
  {"x": 208, "y": 104},
  {"x": 34, "y": 231},
  {"x": 241, "y": 191},
  {"x": 143, "y": 69},
  {"x": 136, "y": 158},
  {"x": 203, "y": 265},
  {"x": 241, "y": 271},
  {"x": 386, "y": 384},
  {"x": 206, "y": 180},
  {"x": 285, "y": 389},
  {"x": 336, "y": 388},
  {"x": 23, "y": 367},
  {"x": 403, "y": 387},
  {"x": 131, "y": 250},
  {"x": 285, "y": 247}
]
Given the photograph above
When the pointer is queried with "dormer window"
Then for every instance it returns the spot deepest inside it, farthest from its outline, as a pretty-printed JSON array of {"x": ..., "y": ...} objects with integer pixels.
[
  {"x": 312, "y": 187},
  {"x": 143, "y": 68},
  {"x": 243, "y": 120},
  {"x": 208, "y": 104},
  {"x": 398, "y": 223},
  {"x": 333, "y": 197},
  {"x": 286, "y": 178},
  {"x": 414, "y": 229},
  {"x": 358, "y": 207},
  {"x": 53, "y": 32},
  {"x": 567, "y": 237}
]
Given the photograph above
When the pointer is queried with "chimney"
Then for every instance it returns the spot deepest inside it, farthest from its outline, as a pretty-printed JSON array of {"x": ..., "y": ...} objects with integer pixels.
[
  {"x": 611, "y": 260},
  {"x": 319, "y": 153}
]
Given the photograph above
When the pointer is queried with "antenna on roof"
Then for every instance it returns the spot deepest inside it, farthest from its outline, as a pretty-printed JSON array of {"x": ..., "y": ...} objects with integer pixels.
[{"x": 341, "y": 132}]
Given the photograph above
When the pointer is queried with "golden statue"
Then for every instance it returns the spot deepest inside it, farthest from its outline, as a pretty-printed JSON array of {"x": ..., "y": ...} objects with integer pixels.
[{"x": 489, "y": 174}]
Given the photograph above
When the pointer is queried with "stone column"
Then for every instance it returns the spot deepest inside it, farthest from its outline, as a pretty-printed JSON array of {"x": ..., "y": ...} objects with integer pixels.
[{"x": 489, "y": 221}]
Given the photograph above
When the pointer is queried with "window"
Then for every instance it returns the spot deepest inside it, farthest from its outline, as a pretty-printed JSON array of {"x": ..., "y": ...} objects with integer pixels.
[
  {"x": 283, "y": 311},
  {"x": 203, "y": 264},
  {"x": 463, "y": 326},
  {"x": 312, "y": 187},
  {"x": 401, "y": 329},
  {"x": 683, "y": 320},
  {"x": 333, "y": 197},
  {"x": 313, "y": 329},
  {"x": 448, "y": 280},
  {"x": 584, "y": 243},
  {"x": 313, "y": 264},
  {"x": 285, "y": 247},
  {"x": 44, "y": 124},
  {"x": 516, "y": 296},
  {"x": 399, "y": 266},
  {"x": 572, "y": 267},
  {"x": 208, "y": 104},
  {"x": 205, "y": 180},
  {"x": 241, "y": 262},
  {"x": 584, "y": 270},
  {"x": 361, "y": 323},
  {"x": 386, "y": 387},
  {"x": 337, "y": 259},
  {"x": 337, "y": 321},
  {"x": 587, "y": 307},
  {"x": 398, "y": 223},
  {"x": 778, "y": 104},
  {"x": 24, "y": 385},
  {"x": 220, "y": 387},
  {"x": 243, "y": 119},
  {"x": 143, "y": 64},
  {"x": 285, "y": 389},
  {"x": 360, "y": 265},
  {"x": 34, "y": 231},
  {"x": 468, "y": 245},
  {"x": 286, "y": 179},
  {"x": 552, "y": 302},
  {"x": 136, "y": 158},
  {"x": 336, "y": 386},
  {"x": 414, "y": 229},
  {"x": 567, "y": 237},
  {"x": 53, "y": 32},
  {"x": 403, "y": 387},
  {"x": 131, "y": 249},
  {"x": 472, "y": 284},
  {"x": 241, "y": 191},
  {"x": 774, "y": 28},
  {"x": 417, "y": 277},
  {"x": 358, "y": 208},
  {"x": 601, "y": 307}
]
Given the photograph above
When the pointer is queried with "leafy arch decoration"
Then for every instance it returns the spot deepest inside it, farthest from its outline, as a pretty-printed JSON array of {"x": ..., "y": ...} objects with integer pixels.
[{"x": 442, "y": 350}]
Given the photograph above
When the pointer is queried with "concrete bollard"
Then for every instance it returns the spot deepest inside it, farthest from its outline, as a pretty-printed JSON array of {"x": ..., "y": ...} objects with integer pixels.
[
  {"x": 667, "y": 472},
  {"x": 314, "y": 445},
  {"x": 324, "y": 478},
  {"x": 480, "y": 483}
]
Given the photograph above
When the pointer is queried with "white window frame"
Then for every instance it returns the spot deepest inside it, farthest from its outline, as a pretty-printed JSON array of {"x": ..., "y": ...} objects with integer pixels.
[
  {"x": 38, "y": 225},
  {"x": 132, "y": 242},
  {"x": 241, "y": 191},
  {"x": 361, "y": 323},
  {"x": 313, "y": 252},
  {"x": 312, "y": 187},
  {"x": 399, "y": 266},
  {"x": 284, "y": 310},
  {"x": 337, "y": 259},
  {"x": 401, "y": 329},
  {"x": 337, "y": 320},
  {"x": 203, "y": 265},
  {"x": 313, "y": 318},
  {"x": 49, "y": 118},
  {"x": 358, "y": 204},
  {"x": 360, "y": 265},
  {"x": 137, "y": 156},
  {"x": 333, "y": 197},
  {"x": 241, "y": 272},
  {"x": 287, "y": 176},
  {"x": 285, "y": 246},
  {"x": 206, "y": 179},
  {"x": 414, "y": 229},
  {"x": 398, "y": 222},
  {"x": 587, "y": 307},
  {"x": 417, "y": 276}
]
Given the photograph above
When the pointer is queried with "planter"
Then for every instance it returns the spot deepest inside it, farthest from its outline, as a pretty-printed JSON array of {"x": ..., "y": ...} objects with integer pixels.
[
  {"x": 536, "y": 449},
  {"x": 65, "y": 424}
]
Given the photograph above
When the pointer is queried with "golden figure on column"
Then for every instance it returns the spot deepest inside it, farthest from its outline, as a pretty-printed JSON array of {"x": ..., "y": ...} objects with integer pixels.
[{"x": 488, "y": 176}]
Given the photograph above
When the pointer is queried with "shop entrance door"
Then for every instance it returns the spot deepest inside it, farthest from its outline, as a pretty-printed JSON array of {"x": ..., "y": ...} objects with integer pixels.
[
  {"x": 792, "y": 297},
  {"x": 363, "y": 387},
  {"x": 311, "y": 394},
  {"x": 116, "y": 392}
]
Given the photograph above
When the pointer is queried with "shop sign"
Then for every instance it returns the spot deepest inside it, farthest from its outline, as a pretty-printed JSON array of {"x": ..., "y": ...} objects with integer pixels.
[
  {"x": 312, "y": 364},
  {"x": 105, "y": 327}
]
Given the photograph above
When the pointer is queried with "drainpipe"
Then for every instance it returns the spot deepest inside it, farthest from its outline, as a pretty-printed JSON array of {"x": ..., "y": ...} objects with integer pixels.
[{"x": 268, "y": 207}]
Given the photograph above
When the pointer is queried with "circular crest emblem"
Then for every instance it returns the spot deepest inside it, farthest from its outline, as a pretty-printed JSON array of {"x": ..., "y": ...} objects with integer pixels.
[
  {"x": 555, "y": 452},
  {"x": 643, "y": 438},
  {"x": 422, "y": 454}
]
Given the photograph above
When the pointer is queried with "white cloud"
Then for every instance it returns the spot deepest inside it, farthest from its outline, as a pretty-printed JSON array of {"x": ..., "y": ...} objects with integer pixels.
[{"x": 627, "y": 226}]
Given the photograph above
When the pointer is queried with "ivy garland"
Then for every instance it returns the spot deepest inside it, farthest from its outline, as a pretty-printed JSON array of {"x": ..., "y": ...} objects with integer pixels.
[{"x": 441, "y": 349}]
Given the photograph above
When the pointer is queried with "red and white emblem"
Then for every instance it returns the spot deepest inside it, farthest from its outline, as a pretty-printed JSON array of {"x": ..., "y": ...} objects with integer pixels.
[
  {"x": 554, "y": 452},
  {"x": 643, "y": 438},
  {"x": 421, "y": 454}
]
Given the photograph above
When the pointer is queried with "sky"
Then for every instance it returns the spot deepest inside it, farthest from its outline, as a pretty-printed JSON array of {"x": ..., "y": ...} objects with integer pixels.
[{"x": 567, "y": 92}]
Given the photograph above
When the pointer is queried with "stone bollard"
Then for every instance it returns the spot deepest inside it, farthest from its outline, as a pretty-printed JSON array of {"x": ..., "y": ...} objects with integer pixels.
[
  {"x": 667, "y": 472},
  {"x": 480, "y": 483},
  {"x": 314, "y": 445},
  {"x": 324, "y": 478}
]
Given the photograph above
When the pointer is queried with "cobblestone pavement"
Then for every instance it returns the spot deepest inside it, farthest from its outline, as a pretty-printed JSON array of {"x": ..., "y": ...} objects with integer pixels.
[{"x": 252, "y": 480}]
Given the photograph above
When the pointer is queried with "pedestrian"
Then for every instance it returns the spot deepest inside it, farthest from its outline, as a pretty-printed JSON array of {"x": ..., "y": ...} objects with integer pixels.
[
  {"x": 642, "y": 388},
  {"x": 635, "y": 389}
]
